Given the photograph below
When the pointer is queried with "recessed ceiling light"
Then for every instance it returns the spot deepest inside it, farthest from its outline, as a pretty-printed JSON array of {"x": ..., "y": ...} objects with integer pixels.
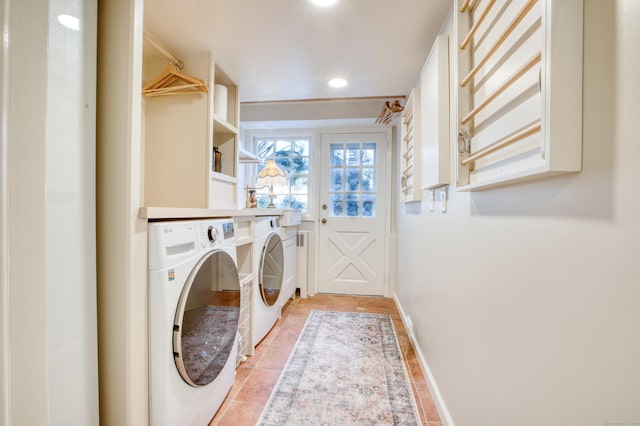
[
  {"x": 69, "y": 21},
  {"x": 323, "y": 3},
  {"x": 337, "y": 82}
]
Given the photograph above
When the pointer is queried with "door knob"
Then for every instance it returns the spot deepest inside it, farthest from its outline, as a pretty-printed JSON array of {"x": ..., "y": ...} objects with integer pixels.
[
  {"x": 324, "y": 220},
  {"x": 324, "y": 207}
]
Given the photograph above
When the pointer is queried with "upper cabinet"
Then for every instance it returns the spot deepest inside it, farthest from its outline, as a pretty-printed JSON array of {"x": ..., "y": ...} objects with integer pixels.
[
  {"x": 434, "y": 114},
  {"x": 190, "y": 136}
]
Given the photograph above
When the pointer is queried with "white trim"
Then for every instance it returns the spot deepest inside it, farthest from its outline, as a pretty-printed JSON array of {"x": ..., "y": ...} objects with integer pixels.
[
  {"x": 445, "y": 417},
  {"x": 5, "y": 372},
  {"x": 387, "y": 215}
]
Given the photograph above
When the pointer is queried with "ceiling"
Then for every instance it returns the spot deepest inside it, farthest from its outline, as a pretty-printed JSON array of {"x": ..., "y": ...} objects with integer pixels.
[{"x": 289, "y": 49}]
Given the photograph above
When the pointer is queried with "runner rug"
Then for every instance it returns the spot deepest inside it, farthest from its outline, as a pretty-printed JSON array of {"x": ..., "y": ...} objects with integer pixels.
[{"x": 345, "y": 369}]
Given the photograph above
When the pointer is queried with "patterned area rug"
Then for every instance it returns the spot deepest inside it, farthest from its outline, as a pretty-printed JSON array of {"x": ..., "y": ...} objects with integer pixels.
[{"x": 345, "y": 369}]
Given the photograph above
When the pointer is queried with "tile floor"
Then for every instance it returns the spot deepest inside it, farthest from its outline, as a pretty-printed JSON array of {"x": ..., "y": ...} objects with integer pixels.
[{"x": 256, "y": 378}]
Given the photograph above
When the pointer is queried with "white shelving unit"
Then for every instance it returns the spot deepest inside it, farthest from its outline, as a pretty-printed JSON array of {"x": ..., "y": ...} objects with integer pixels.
[
  {"x": 410, "y": 151},
  {"x": 180, "y": 132},
  {"x": 222, "y": 186}
]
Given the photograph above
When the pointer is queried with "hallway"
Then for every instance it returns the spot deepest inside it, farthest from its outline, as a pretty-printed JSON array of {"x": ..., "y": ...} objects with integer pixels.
[{"x": 256, "y": 378}]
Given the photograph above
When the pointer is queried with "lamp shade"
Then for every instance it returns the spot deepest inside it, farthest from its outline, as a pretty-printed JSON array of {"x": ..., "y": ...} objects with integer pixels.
[{"x": 270, "y": 170}]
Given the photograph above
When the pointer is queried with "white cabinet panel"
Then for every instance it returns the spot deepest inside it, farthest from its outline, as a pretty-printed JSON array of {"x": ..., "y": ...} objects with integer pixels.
[{"x": 434, "y": 113}]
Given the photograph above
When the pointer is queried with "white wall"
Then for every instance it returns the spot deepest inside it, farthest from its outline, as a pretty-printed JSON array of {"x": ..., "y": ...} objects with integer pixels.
[
  {"x": 525, "y": 298},
  {"x": 48, "y": 217},
  {"x": 70, "y": 215}
]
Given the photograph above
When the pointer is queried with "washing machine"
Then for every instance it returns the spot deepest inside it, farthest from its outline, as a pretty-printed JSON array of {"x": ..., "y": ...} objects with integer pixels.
[
  {"x": 194, "y": 300},
  {"x": 269, "y": 265}
]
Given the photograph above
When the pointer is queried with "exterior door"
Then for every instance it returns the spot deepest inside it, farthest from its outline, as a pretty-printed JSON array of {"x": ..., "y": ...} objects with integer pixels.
[{"x": 353, "y": 219}]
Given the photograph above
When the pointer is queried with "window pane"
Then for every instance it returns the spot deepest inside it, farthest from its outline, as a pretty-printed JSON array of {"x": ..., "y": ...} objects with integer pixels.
[
  {"x": 368, "y": 154},
  {"x": 299, "y": 165},
  {"x": 353, "y": 154},
  {"x": 299, "y": 202},
  {"x": 335, "y": 176},
  {"x": 301, "y": 147},
  {"x": 280, "y": 185},
  {"x": 282, "y": 202},
  {"x": 368, "y": 205},
  {"x": 353, "y": 179},
  {"x": 263, "y": 200},
  {"x": 353, "y": 205},
  {"x": 368, "y": 180},
  {"x": 264, "y": 148},
  {"x": 291, "y": 155},
  {"x": 337, "y": 154},
  {"x": 335, "y": 204},
  {"x": 299, "y": 184},
  {"x": 284, "y": 163},
  {"x": 283, "y": 147}
]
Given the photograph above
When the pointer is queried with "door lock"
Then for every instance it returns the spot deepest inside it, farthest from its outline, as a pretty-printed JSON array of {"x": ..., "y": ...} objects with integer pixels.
[{"x": 324, "y": 220}]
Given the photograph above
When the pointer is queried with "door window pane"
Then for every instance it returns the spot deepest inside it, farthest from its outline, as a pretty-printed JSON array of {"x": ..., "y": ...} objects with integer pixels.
[
  {"x": 336, "y": 204},
  {"x": 353, "y": 179},
  {"x": 353, "y": 205},
  {"x": 352, "y": 154},
  {"x": 368, "y": 180},
  {"x": 337, "y": 154},
  {"x": 335, "y": 176},
  {"x": 368, "y": 154},
  {"x": 368, "y": 205}
]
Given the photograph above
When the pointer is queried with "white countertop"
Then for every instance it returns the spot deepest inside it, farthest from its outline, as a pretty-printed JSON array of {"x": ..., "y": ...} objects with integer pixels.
[{"x": 156, "y": 213}]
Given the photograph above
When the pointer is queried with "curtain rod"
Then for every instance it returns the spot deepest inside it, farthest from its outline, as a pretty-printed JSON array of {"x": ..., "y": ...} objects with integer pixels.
[{"x": 286, "y": 101}]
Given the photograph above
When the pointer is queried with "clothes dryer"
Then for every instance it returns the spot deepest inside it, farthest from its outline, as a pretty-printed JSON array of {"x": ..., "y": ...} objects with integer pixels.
[
  {"x": 269, "y": 264},
  {"x": 194, "y": 300}
]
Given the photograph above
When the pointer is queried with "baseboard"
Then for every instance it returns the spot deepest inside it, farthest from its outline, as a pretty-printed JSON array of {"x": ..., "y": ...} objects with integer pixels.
[{"x": 445, "y": 417}]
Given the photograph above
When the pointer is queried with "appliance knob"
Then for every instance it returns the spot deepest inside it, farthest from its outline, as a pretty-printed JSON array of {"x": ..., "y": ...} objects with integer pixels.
[{"x": 212, "y": 233}]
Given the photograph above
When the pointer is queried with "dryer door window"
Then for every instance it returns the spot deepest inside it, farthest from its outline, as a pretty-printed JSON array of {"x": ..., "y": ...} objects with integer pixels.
[
  {"x": 206, "y": 321},
  {"x": 271, "y": 269}
]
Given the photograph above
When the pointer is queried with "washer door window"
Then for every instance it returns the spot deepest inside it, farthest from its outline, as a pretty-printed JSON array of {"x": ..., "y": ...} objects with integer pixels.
[
  {"x": 271, "y": 269},
  {"x": 206, "y": 320}
]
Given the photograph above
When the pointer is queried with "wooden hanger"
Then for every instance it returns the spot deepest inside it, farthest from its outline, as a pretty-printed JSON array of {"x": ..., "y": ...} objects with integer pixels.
[
  {"x": 163, "y": 84},
  {"x": 389, "y": 112}
]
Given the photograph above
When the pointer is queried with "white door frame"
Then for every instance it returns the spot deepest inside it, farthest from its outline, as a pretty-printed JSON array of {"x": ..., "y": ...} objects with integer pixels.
[
  {"x": 5, "y": 414},
  {"x": 386, "y": 187}
]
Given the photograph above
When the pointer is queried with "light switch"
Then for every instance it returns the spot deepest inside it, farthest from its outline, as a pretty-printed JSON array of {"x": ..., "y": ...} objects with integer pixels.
[
  {"x": 443, "y": 200},
  {"x": 430, "y": 200}
]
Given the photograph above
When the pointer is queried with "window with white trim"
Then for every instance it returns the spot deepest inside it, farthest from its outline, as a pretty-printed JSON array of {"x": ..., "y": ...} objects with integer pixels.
[{"x": 291, "y": 154}]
